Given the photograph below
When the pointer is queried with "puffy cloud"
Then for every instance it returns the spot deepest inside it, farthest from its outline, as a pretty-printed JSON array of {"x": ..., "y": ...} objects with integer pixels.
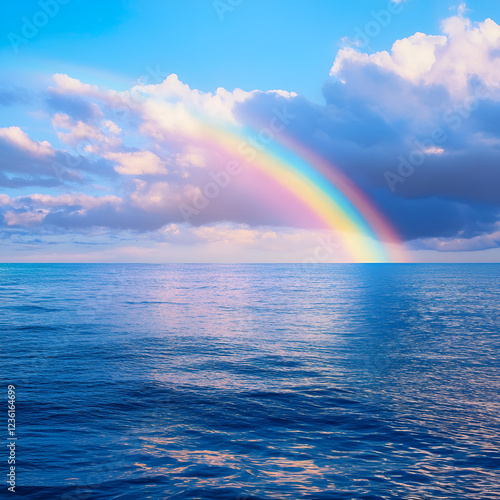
[
  {"x": 19, "y": 139},
  {"x": 465, "y": 50},
  {"x": 25, "y": 162},
  {"x": 411, "y": 58},
  {"x": 387, "y": 108},
  {"x": 170, "y": 104},
  {"x": 86, "y": 138},
  {"x": 218, "y": 105},
  {"x": 25, "y": 218},
  {"x": 156, "y": 197},
  {"x": 191, "y": 157},
  {"x": 72, "y": 86},
  {"x": 111, "y": 126},
  {"x": 137, "y": 163}
]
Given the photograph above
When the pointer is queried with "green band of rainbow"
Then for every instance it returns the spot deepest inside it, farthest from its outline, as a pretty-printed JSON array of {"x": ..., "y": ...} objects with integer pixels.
[{"x": 327, "y": 193}]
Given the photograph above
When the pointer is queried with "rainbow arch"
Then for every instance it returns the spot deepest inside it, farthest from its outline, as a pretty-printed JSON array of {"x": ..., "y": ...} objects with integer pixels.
[
  {"x": 380, "y": 227},
  {"x": 332, "y": 197}
]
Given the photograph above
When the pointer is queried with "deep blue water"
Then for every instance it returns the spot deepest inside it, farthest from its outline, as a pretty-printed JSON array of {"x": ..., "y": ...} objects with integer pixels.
[{"x": 253, "y": 381}]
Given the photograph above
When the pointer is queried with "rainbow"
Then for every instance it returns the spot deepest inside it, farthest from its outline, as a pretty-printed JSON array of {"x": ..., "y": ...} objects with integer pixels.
[
  {"x": 324, "y": 190},
  {"x": 329, "y": 195},
  {"x": 379, "y": 227}
]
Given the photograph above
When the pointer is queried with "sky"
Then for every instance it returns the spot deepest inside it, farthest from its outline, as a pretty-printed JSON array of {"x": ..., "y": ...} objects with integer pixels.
[{"x": 250, "y": 131}]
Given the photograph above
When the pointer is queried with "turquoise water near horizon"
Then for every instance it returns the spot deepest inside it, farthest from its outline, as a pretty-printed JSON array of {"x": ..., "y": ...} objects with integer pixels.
[{"x": 253, "y": 381}]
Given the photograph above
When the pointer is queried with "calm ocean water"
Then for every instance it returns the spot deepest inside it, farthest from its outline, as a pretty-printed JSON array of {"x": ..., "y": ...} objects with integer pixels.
[{"x": 253, "y": 381}]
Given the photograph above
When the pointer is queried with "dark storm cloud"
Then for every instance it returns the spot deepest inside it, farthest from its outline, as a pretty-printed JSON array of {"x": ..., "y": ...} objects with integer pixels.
[{"x": 375, "y": 121}]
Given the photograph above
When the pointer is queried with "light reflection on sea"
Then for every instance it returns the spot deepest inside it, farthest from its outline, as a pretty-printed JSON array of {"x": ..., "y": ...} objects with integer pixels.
[{"x": 257, "y": 382}]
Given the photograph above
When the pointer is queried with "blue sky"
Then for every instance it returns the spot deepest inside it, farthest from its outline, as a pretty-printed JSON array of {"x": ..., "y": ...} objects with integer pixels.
[
  {"x": 359, "y": 108},
  {"x": 257, "y": 45}
]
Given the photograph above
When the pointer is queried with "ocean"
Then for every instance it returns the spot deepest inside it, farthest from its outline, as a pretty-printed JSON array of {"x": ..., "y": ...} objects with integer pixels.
[{"x": 255, "y": 382}]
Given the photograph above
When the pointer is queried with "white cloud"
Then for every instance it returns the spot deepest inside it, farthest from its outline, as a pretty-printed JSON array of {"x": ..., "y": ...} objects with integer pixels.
[
  {"x": 27, "y": 219},
  {"x": 137, "y": 163},
  {"x": 191, "y": 157},
  {"x": 464, "y": 50},
  {"x": 170, "y": 103},
  {"x": 67, "y": 85},
  {"x": 410, "y": 58},
  {"x": 4, "y": 199},
  {"x": 71, "y": 199},
  {"x": 87, "y": 138},
  {"x": 170, "y": 114},
  {"x": 19, "y": 139},
  {"x": 160, "y": 197},
  {"x": 111, "y": 126},
  {"x": 218, "y": 105}
]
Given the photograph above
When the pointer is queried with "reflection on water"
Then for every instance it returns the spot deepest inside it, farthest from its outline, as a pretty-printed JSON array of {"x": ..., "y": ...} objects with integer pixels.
[{"x": 262, "y": 382}]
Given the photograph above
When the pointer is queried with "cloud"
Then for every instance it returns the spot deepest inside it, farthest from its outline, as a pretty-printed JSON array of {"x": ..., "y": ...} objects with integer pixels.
[
  {"x": 25, "y": 162},
  {"x": 85, "y": 137},
  {"x": 65, "y": 85},
  {"x": 480, "y": 242},
  {"x": 218, "y": 105},
  {"x": 74, "y": 106},
  {"x": 465, "y": 50},
  {"x": 30, "y": 211},
  {"x": 20, "y": 140},
  {"x": 137, "y": 163},
  {"x": 161, "y": 197},
  {"x": 112, "y": 127},
  {"x": 80, "y": 200},
  {"x": 411, "y": 58},
  {"x": 25, "y": 218},
  {"x": 191, "y": 157},
  {"x": 174, "y": 243},
  {"x": 150, "y": 149}
]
